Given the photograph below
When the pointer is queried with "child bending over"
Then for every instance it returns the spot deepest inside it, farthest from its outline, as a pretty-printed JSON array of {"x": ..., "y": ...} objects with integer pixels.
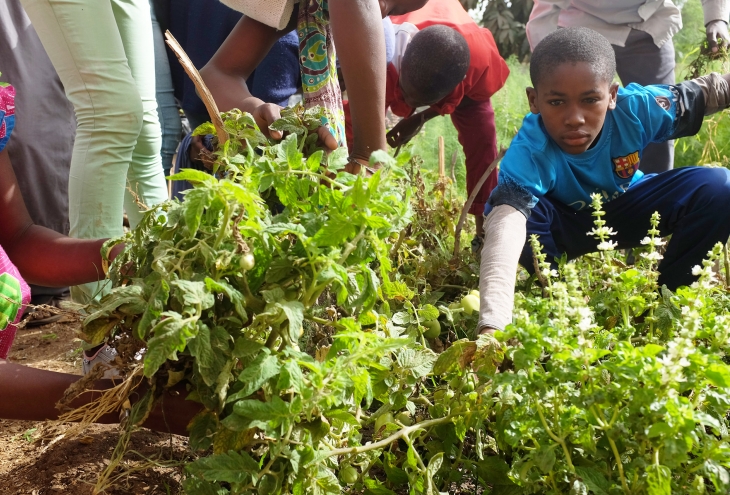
[
  {"x": 446, "y": 62},
  {"x": 586, "y": 135}
]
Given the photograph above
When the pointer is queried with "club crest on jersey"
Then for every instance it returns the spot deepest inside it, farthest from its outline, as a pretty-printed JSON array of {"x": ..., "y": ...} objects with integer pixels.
[{"x": 626, "y": 166}]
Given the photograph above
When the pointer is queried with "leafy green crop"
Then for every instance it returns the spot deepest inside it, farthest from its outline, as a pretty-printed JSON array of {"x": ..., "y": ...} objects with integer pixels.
[{"x": 301, "y": 306}]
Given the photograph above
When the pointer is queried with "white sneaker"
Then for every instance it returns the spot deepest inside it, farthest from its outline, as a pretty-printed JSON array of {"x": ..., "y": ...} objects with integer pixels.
[{"x": 104, "y": 355}]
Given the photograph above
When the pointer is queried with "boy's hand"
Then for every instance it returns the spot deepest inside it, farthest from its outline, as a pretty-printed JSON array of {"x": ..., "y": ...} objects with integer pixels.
[
  {"x": 484, "y": 330},
  {"x": 404, "y": 131},
  {"x": 714, "y": 30}
]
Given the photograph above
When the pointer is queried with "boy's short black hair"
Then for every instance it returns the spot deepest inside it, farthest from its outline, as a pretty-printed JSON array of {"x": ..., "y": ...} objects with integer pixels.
[
  {"x": 571, "y": 45},
  {"x": 435, "y": 62}
]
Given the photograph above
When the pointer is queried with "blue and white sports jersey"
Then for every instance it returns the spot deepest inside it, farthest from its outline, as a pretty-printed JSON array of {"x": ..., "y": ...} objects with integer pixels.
[{"x": 535, "y": 166}]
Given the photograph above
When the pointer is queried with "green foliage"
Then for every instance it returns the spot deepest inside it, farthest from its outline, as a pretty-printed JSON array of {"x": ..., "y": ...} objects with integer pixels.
[
  {"x": 313, "y": 364},
  {"x": 601, "y": 399},
  {"x": 506, "y": 20}
]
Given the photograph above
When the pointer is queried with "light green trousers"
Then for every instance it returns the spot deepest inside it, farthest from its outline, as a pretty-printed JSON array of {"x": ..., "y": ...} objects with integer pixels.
[{"x": 103, "y": 53}]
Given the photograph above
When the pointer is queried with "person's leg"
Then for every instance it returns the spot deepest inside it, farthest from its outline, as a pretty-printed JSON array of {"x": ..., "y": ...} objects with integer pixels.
[
  {"x": 642, "y": 62},
  {"x": 560, "y": 229},
  {"x": 83, "y": 42},
  {"x": 166, "y": 107},
  {"x": 694, "y": 204},
  {"x": 145, "y": 177},
  {"x": 478, "y": 137}
]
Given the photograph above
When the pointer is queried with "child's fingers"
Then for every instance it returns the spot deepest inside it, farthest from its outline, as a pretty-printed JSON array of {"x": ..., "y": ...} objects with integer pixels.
[
  {"x": 265, "y": 115},
  {"x": 326, "y": 138}
]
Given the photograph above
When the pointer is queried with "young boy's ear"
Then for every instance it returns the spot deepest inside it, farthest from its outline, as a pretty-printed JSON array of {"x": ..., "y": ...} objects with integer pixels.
[
  {"x": 612, "y": 95},
  {"x": 532, "y": 99}
]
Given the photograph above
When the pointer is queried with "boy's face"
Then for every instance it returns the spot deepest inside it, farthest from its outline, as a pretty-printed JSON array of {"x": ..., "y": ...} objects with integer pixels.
[
  {"x": 399, "y": 7},
  {"x": 412, "y": 97},
  {"x": 573, "y": 100}
]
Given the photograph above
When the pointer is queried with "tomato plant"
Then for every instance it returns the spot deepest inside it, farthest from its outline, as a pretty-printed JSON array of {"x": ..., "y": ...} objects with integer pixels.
[{"x": 294, "y": 300}]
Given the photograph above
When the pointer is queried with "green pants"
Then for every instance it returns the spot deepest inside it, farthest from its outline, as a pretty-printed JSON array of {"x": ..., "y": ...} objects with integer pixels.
[{"x": 103, "y": 53}]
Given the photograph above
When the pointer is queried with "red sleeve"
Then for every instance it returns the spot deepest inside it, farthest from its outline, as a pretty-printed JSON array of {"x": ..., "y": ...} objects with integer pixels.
[{"x": 393, "y": 94}]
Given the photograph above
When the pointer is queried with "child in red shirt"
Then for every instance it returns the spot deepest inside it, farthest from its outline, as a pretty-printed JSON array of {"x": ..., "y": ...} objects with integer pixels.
[{"x": 468, "y": 103}]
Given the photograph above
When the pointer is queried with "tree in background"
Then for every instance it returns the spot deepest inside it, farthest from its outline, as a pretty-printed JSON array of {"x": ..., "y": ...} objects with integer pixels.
[{"x": 506, "y": 20}]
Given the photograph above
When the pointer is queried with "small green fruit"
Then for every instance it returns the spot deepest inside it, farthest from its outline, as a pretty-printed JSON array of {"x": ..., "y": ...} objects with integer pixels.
[
  {"x": 470, "y": 303},
  {"x": 266, "y": 485},
  {"x": 404, "y": 418},
  {"x": 433, "y": 329},
  {"x": 348, "y": 475},
  {"x": 247, "y": 262},
  {"x": 383, "y": 420}
]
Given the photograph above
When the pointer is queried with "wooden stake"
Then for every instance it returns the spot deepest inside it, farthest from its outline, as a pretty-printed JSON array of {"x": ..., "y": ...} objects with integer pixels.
[
  {"x": 442, "y": 159},
  {"x": 465, "y": 210},
  {"x": 203, "y": 91}
]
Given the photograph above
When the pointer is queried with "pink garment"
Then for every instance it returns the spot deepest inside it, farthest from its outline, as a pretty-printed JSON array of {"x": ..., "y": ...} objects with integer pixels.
[
  {"x": 10, "y": 278},
  {"x": 14, "y": 292}
]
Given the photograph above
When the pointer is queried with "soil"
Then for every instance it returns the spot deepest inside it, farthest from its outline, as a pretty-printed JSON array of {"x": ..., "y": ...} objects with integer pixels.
[{"x": 32, "y": 463}]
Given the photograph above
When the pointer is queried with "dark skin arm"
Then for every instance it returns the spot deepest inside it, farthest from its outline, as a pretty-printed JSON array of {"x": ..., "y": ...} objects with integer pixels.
[
  {"x": 43, "y": 257},
  {"x": 358, "y": 35},
  {"x": 239, "y": 55},
  {"x": 408, "y": 127},
  {"x": 357, "y": 30},
  {"x": 31, "y": 394}
]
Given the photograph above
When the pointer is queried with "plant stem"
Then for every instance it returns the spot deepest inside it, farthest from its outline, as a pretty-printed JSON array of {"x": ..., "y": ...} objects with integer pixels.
[
  {"x": 351, "y": 246},
  {"x": 403, "y": 433},
  {"x": 618, "y": 463},
  {"x": 224, "y": 226},
  {"x": 556, "y": 438}
]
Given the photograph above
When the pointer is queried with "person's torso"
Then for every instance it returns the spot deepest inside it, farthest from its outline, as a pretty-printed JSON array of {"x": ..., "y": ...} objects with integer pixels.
[{"x": 608, "y": 168}]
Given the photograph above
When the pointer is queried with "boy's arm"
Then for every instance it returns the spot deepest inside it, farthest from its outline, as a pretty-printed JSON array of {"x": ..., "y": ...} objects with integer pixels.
[
  {"x": 716, "y": 90},
  {"x": 43, "y": 257},
  {"x": 505, "y": 229},
  {"x": 357, "y": 29}
]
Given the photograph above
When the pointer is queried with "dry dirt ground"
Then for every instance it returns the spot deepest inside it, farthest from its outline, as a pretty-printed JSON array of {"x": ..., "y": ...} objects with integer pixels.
[{"x": 33, "y": 465}]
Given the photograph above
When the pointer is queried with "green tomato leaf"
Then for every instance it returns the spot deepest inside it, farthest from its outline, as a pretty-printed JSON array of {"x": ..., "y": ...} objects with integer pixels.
[
  {"x": 594, "y": 480},
  {"x": 230, "y": 467},
  {"x": 294, "y": 311},
  {"x": 658, "y": 480},
  {"x": 719, "y": 375},
  {"x": 263, "y": 368}
]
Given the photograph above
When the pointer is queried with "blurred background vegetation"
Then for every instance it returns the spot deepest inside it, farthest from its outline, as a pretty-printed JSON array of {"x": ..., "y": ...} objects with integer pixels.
[{"x": 506, "y": 20}]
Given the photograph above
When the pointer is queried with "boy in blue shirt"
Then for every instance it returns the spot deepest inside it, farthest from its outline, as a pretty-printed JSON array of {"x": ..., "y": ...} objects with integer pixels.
[{"x": 586, "y": 135}]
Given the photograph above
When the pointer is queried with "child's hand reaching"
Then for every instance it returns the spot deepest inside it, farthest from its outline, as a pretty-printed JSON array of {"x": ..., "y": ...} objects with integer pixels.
[{"x": 266, "y": 114}]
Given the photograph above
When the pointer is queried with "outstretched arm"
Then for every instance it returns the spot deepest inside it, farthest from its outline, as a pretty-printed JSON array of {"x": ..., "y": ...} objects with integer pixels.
[
  {"x": 357, "y": 30},
  {"x": 505, "y": 232},
  {"x": 236, "y": 59},
  {"x": 43, "y": 257},
  {"x": 31, "y": 394}
]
